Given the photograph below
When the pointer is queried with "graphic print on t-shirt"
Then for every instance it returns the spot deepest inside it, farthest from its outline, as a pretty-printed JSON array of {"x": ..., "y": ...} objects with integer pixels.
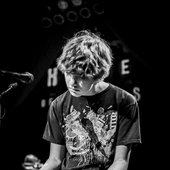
[{"x": 90, "y": 135}]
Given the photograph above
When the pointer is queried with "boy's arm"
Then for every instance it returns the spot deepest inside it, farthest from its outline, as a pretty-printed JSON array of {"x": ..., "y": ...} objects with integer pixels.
[
  {"x": 121, "y": 160},
  {"x": 57, "y": 153}
]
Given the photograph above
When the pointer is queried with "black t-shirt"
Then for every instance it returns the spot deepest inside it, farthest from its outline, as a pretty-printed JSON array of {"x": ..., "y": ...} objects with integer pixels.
[{"x": 91, "y": 126}]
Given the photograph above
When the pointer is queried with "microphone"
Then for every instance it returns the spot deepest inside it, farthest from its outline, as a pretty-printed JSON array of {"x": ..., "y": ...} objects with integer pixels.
[
  {"x": 25, "y": 77},
  {"x": 10, "y": 88}
]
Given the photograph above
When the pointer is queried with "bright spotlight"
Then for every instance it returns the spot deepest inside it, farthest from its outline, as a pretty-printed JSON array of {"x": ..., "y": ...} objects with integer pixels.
[
  {"x": 76, "y": 2},
  {"x": 46, "y": 22},
  {"x": 85, "y": 12},
  {"x": 58, "y": 19},
  {"x": 72, "y": 16},
  {"x": 98, "y": 9},
  {"x": 62, "y": 4}
]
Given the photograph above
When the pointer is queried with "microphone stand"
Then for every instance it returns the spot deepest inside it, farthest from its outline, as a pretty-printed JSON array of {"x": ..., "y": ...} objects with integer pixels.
[{"x": 2, "y": 105}]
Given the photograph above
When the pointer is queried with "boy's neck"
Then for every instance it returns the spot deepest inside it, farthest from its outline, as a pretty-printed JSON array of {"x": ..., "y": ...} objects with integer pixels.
[{"x": 98, "y": 87}]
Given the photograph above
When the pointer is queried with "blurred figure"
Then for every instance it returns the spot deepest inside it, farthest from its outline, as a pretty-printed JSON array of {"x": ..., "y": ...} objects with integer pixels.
[{"x": 31, "y": 162}]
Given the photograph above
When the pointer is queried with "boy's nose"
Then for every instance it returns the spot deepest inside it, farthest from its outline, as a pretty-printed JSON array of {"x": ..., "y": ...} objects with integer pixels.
[{"x": 73, "y": 81}]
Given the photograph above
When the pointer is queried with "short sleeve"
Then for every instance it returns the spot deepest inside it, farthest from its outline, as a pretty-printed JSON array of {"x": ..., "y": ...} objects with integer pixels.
[
  {"x": 53, "y": 130},
  {"x": 129, "y": 125}
]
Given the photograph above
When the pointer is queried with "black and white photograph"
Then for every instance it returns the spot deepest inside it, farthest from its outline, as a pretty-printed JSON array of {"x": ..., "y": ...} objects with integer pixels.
[{"x": 78, "y": 85}]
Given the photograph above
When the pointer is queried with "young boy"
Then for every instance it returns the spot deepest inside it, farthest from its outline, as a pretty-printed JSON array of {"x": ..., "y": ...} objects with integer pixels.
[{"x": 94, "y": 124}]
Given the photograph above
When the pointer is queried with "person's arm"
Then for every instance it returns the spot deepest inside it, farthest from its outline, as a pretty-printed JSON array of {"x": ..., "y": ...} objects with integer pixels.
[
  {"x": 57, "y": 153},
  {"x": 121, "y": 160}
]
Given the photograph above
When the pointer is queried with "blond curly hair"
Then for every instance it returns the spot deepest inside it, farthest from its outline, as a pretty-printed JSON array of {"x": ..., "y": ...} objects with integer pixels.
[{"x": 87, "y": 55}]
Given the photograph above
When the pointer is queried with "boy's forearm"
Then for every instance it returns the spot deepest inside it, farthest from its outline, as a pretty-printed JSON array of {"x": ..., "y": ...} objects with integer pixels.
[
  {"x": 119, "y": 165},
  {"x": 51, "y": 165}
]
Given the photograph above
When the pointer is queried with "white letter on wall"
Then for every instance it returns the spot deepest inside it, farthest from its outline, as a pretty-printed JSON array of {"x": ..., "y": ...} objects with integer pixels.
[
  {"x": 52, "y": 77},
  {"x": 136, "y": 92},
  {"x": 125, "y": 66}
]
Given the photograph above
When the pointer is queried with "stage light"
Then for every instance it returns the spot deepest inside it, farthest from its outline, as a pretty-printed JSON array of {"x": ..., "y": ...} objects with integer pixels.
[
  {"x": 62, "y": 4},
  {"x": 58, "y": 19},
  {"x": 85, "y": 12},
  {"x": 98, "y": 9},
  {"x": 72, "y": 16},
  {"x": 76, "y": 2},
  {"x": 46, "y": 22}
]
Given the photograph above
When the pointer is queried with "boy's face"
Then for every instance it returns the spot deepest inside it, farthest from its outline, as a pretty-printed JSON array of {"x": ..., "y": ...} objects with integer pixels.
[{"x": 79, "y": 86}]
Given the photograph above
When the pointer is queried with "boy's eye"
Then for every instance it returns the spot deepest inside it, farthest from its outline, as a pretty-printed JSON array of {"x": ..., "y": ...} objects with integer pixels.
[{"x": 78, "y": 78}]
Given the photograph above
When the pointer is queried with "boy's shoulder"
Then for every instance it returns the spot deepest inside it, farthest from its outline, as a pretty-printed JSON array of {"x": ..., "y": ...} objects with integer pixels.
[
  {"x": 122, "y": 93},
  {"x": 60, "y": 98}
]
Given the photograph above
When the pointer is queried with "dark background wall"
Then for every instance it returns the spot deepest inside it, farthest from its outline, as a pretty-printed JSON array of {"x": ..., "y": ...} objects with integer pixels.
[{"x": 28, "y": 46}]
